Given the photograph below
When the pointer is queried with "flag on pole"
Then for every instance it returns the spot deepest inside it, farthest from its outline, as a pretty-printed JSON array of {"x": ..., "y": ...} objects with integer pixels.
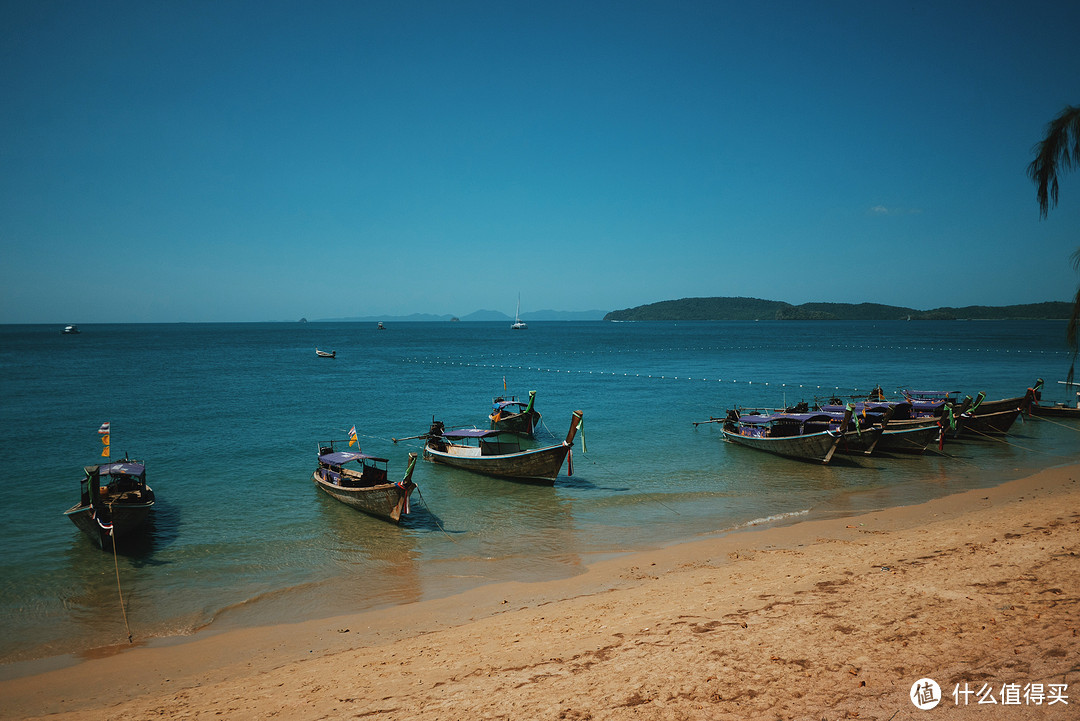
[
  {"x": 504, "y": 384},
  {"x": 104, "y": 430},
  {"x": 353, "y": 439},
  {"x": 105, "y": 444}
]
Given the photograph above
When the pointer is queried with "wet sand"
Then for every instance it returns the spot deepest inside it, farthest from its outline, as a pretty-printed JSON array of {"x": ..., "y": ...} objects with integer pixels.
[{"x": 821, "y": 619}]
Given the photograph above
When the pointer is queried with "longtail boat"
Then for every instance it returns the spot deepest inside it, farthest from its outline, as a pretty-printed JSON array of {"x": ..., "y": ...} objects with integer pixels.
[
  {"x": 803, "y": 436},
  {"x": 1060, "y": 409},
  {"x": 982, "y": 417},
  {"x": 362, "y": 482},
  {"x": 906, "y": 427},
  {"x": 115, "y": 501},
  {"x": 513, "y": 416},
  {"x": 994, "y": 418},
  {"x": 495, "y": 453}
]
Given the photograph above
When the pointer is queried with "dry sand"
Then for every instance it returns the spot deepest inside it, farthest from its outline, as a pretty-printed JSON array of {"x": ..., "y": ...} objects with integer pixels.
[{"x": 821, "y": 619}]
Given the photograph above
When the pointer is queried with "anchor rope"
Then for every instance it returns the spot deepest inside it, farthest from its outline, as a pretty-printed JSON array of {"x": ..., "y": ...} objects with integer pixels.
[
  {"x": 433, "y": 516},
  {"x": 1044, "y": 419},
  {"x": 1014, "y": 445},
  {"x": 119, "y": 590}
]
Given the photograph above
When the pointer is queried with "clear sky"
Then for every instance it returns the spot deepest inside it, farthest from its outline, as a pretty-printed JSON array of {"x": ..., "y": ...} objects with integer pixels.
[{"x": 244, "y": 161}]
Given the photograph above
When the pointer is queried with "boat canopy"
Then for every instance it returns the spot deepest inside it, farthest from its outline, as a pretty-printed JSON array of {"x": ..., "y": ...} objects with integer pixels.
[
  {"x": 939, "y": 396},
  {"x": 120, "y": 468},
  {"x": 338, "y": 458},
  {"x": 874, "y": 407},
  {"x": 790, "y": 417},
  {"x": 504, "y": 404},
  {"x": 470, "y": 433}
]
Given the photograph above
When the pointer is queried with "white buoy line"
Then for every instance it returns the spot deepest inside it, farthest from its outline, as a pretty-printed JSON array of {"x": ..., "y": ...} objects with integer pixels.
[
  {"x": 772, "y": 348},
  {"x": 646, "y": 376}
]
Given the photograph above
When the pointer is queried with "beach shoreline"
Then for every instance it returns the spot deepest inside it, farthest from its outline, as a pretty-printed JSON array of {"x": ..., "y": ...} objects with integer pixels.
[{"x": 836, "y": 616}]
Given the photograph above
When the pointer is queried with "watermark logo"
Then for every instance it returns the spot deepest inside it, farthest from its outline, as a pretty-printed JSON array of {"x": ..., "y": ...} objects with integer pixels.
[{"x": 925, "y": 694}]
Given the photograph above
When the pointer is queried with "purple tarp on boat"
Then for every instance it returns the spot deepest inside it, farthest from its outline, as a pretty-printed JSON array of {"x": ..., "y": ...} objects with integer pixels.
[
  {"x": 122, "y": 469},
  {"x": 470, "y": 433},
  {"x": 794, "y": 417},
  {"x": 338, "y": 458}
]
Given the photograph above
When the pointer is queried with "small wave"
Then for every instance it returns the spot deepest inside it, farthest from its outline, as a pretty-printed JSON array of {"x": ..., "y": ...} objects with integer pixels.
[{"x": 769, "y": 519}]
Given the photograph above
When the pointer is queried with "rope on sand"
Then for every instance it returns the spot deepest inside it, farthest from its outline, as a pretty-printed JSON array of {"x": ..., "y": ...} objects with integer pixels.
[{"x": 116, "y": 565}]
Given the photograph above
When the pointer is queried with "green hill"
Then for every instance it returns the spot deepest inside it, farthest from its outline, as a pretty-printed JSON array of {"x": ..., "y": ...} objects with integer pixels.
[{"x": 758, "y": 309}]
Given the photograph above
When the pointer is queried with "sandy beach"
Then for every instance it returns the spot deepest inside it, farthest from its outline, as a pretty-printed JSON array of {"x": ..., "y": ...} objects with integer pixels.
[{"x": 834, "y": 618}]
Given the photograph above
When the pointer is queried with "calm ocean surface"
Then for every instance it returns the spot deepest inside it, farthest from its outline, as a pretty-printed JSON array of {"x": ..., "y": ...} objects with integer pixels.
[{"x": 228, "y": 418}]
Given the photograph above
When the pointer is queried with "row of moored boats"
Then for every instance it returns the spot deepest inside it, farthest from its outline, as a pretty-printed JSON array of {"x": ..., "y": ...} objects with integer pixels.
[
  {"x": 115, "y": 499},
  {"x": 911, "y": 423}
]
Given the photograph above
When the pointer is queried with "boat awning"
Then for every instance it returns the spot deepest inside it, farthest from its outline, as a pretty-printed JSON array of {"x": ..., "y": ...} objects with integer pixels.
[
  {"x": 470, "y": 433},
  {"x": 121, "y": 469},
  {"x": 506, "y": 404},
  {"x": 338, "y": 458},
  {"x": 939, "y": 396},
  {"x": 790, "y": 417},
  {"x": 875, "y": 407}
]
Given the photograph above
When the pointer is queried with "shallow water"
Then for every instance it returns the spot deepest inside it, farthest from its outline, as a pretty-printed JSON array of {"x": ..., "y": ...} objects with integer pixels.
[{"x": 228, "y": 418}]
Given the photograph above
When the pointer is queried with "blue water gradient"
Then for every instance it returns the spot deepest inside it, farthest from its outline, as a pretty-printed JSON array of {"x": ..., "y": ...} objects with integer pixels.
[{"x": 228, "y": 418}]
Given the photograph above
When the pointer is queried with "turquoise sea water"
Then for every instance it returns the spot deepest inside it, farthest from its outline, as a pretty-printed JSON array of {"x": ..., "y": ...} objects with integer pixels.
[{"x": 228, "y": 418}]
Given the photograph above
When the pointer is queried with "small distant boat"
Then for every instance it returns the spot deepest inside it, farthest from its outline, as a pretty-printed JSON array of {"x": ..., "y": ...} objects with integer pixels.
[
  {"x": 803, "y": 436},
  {"x": 513, "y": 416},
  {"x": 381, "y": 326},
  {"x": 324, "y": 354},
  {"x": 1060, "y": 409},
  {"x": 361, "y": 481},
  {"x": 498, "y": 454},
  {"x": 519, "y": 324},
  {"x": 115, "y": 501},
  {"x": 70, "y": 330}
]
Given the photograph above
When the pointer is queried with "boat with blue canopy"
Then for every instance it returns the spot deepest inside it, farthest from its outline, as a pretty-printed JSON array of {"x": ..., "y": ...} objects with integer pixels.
[
  {"x": 803, "y": 436},
  {"x": 496, "y": 453},
  {"x": 115, "y": 501},
  {"x": 361, "y": 481},
  {"x": 510, "y": 415}
]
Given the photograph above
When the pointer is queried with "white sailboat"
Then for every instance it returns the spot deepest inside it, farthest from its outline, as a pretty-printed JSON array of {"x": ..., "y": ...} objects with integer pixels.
[{"x": 519, "y": 324}]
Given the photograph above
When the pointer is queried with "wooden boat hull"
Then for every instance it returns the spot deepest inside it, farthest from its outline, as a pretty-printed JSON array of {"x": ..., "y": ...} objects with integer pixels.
[
  {"x": 992, "y": 424},
  {"x": 127, "y": 520},
  {"x": 810, "y": 447},
  {"x": 1005, "y": 404},
  {"x": 540, "y": 465},
  {"x": 386, "y": 500},
  {"x": 909, "y": 439},
  {"x": 1057, "y": 410},
  {"x": 856, "y": 443},
  {"x": 524, "y": 424}
]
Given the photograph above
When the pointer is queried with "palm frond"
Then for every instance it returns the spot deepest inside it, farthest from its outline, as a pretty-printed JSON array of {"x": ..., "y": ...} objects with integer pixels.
[
  {"x": 1056, "y": 153},
  {"x": 1072, "y": 335}
]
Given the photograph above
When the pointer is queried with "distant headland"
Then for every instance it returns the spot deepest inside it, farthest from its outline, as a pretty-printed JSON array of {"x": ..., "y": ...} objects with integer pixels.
[{"x": 758, "y": 309}]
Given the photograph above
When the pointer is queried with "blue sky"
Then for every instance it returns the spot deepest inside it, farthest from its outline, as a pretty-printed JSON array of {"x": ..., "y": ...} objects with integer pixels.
[{"x": 246, "y": 161}]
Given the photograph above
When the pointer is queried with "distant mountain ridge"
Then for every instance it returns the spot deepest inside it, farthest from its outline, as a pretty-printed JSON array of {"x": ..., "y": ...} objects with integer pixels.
[
  {"x": 479, "y": 315},
  {"x": 727, "y": 308}
]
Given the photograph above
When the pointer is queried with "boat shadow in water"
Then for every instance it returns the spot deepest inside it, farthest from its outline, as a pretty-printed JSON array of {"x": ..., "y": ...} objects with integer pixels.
[
  {"x": 576, "y": 482},
  {"x": 422, "y": 518},
  {"x": 159, "y": 531}
]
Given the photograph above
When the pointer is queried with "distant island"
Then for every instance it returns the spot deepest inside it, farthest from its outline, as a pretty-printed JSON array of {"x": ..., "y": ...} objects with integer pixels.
[{"x": 758, "y": 309}]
